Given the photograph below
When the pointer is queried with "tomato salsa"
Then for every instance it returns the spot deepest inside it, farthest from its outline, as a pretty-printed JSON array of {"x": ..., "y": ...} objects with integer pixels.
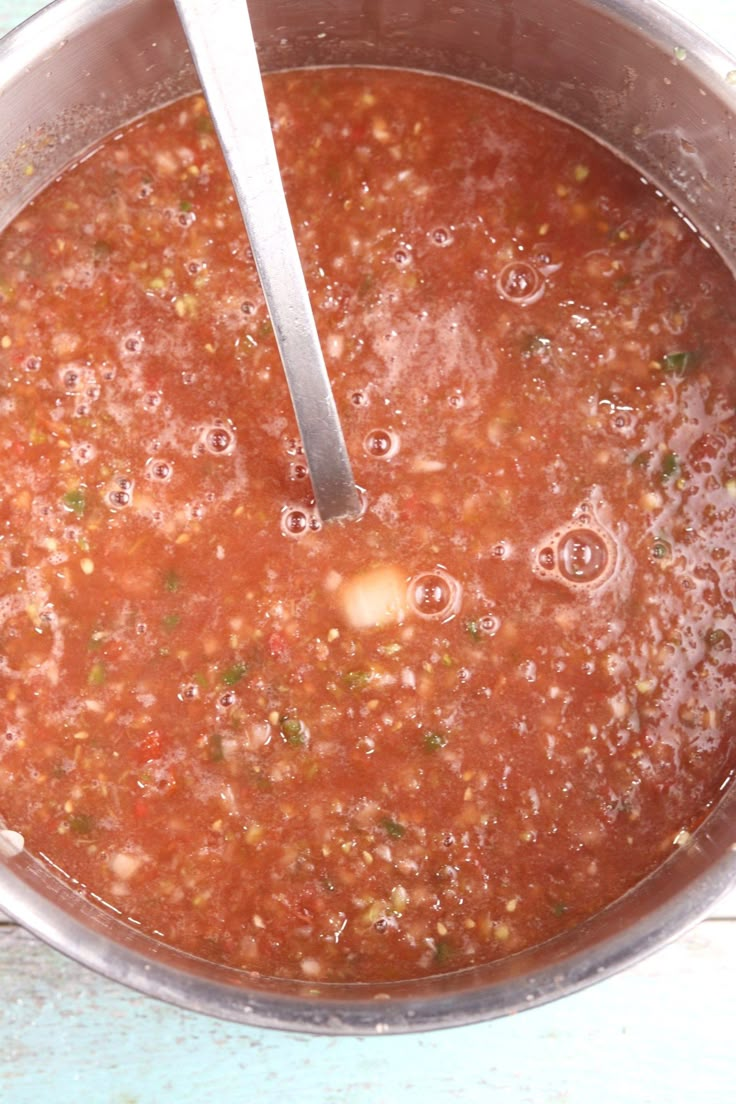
[{"x": 472, "y": 718}]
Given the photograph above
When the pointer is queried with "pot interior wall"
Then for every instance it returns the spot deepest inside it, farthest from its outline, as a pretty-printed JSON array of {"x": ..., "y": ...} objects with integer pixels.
[{"x": 96, "y": 66}]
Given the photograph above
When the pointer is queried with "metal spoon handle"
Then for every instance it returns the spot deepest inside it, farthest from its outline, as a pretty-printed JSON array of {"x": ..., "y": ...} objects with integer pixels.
[{"x": 221, "y": 42}]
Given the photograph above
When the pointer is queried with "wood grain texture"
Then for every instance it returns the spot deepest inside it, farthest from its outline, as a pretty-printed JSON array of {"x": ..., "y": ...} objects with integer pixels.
[{"x": 661, "y": 1033}]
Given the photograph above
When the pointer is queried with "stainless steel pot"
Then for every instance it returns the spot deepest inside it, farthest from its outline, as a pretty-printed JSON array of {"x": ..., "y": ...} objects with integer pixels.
[{"x": 627, "y": 71}]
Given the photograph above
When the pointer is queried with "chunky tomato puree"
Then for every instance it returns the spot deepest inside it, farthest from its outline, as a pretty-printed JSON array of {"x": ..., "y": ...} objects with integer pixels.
[{"x": 459, "y": 725}]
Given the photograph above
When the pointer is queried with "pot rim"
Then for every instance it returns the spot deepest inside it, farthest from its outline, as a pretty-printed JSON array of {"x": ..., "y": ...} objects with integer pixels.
[{"x": 432, "y": 1003}]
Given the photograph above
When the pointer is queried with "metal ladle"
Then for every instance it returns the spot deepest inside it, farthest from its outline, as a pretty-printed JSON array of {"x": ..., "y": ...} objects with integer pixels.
[{"x": 221, "y": 43}]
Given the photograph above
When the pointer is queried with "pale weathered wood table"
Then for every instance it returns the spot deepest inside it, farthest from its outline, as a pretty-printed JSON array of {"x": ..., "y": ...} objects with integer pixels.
[{"x": 664, "y": 1031}]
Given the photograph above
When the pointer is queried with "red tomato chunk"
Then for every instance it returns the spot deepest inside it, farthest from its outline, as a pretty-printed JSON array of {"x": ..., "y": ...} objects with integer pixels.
[{"x": 474, "y": 717}]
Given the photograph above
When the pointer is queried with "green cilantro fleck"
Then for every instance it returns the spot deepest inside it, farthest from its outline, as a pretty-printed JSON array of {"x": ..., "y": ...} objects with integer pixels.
[
  {"x": 393, "y": 828},
  {"x": 292, "y": 730},
  {"x": 670, "y": 465},
  {"x": 97, "y": 674},
  {"x": 357, "y": 680},
  {"x": 171, "y": 621},
  {"x": 679, "y": 364},
  {"x": 661, "y": 549},
  {"x": 214, "y": 747},
  {"x": 172, "y": 582},
  {"x": 234, "y": 674},
  {"x": 442, "y": 952},
  {"x": 82, "y": 824},
  {"x": 76, "y": 501},
  {"x": 434, "y": 740}
]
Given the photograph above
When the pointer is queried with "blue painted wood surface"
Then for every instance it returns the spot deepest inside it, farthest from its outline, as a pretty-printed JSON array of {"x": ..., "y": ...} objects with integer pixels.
[{"x": 664, "y": 1031}]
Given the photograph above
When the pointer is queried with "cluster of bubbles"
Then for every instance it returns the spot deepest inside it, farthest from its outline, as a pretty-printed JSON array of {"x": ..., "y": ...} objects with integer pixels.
[
  {"x": 297, "y": 521},
  {"x": 580, "y": 554},
  {"x": 434, "y": 595},
  {"x": 119, "y": 494}
]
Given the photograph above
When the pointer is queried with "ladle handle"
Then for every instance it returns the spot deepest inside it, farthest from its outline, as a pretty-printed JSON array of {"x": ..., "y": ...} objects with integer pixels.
[{"x": 221, "y": 42}]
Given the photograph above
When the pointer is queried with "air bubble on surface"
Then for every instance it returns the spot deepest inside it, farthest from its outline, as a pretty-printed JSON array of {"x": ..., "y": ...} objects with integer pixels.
[
  {"x": 441, "y": 236},
  {"x": 582, "y": 554},
  {"x": 188, "y": 691},
  {"x": 73, "y": 377},
  {"x": 298, "y": 471},
  {"x": 623, "y": 421},
  {"x": 132, "y": 343},
  {"x": 434, "y": 595},
  {"x": 521, "y": 283},
  {"x": 158, "y": 470},
  {"x": 381, "y": 444},
  {"x": 297, "y": 521},
  {"x": 292, "y": 446},
  {"x": 489, "y": 624},
  {"x": 83, "y": 452},
  {"x": 119, "y": 493},
  {"x": 217, "y": 439}
]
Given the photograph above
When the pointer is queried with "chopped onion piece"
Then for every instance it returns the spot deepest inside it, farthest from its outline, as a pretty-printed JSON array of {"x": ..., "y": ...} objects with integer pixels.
[{"x": 374, "y": 598}]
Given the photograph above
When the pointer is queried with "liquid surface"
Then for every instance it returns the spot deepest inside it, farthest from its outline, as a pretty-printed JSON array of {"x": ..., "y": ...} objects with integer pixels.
[{"x": 467, "y": 721}]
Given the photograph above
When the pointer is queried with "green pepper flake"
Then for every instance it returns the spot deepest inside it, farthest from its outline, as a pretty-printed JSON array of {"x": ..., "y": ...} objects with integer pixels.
[
  {"x": 442, "y": 952},
  {"x": 75, "y": 501},
  {"x": 393, "y": 828},
  {"x": 365, "y": 285},
  {"x": 185, "y": 205},
  {"x": 679, "y": 364},
  {"x": 170, "y": 621},
  {"x": 266, "y": 328},
  {"x": 204, "y": 124},
  {"x": 292, "y": 730},
  {"x": 670, "y": 465},
  {"x": 82, "y": 824},
  {"x": 357, "y": 680},
  {"x": 434, "y": 740},
  {"x": 96, "y": 675},
  {"x": 559, "y": 908},
  {"x": 234, "y": 674},
  {"x": 172, "y": 582},
  {"x": 718, "y": 640},
  {"x": 473, "y": 630},
  {"x": 200, "y": 679},
  {"x": 214, "y": 747}
]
